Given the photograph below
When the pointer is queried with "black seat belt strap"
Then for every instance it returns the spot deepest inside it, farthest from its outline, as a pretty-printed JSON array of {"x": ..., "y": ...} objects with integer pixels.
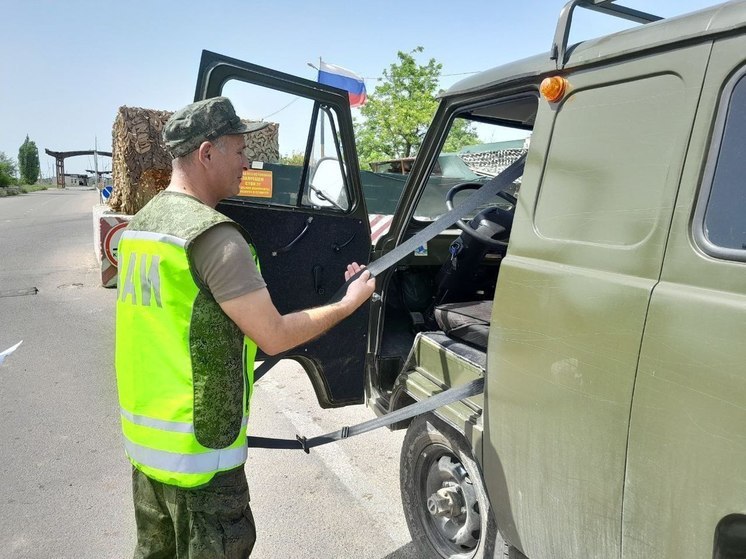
[
  {"x": 264, "y": 368},
  {"x": 485, "y": 194},
  {"x": 423, "y": 406}
]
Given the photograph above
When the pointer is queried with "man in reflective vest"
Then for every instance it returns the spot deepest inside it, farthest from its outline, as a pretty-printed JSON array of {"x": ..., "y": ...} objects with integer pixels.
[{"x": 191, "y": 310}]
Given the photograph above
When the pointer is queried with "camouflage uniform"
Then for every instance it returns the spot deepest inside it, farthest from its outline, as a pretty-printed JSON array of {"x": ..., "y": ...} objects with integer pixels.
[
  {"x": 213, "y": 520},
  {"x": 210, "y": 522}
]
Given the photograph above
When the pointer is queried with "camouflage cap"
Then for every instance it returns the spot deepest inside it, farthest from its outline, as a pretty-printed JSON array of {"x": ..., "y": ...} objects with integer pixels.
[{"x": 203, "y": 121}]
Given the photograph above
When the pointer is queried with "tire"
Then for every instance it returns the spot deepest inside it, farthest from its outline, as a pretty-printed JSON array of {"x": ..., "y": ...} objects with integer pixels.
[{"x": 443, "y": 495}]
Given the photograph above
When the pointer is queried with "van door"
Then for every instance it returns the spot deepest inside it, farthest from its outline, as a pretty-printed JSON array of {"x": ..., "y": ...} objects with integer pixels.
[
  {"x": 685, "y": 482},
  {"x": 585, "y": 252},
  {"x": 301, "y": 201}
]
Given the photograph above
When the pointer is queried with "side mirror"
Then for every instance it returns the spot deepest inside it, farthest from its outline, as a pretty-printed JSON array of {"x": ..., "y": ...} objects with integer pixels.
[{"x": 327, "y": 185}]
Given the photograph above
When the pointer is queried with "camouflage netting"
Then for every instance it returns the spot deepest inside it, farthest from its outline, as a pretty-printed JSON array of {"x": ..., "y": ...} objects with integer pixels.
[
  {"x": 141, "y": 166},
  {"x": 263, "y": 145}
]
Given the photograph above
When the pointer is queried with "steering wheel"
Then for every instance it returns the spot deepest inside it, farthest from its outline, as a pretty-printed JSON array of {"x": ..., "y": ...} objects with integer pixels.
[{"x": 496, "y": 226}]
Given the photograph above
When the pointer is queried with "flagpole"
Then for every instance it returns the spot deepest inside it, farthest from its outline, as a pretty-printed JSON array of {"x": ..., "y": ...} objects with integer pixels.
[
  {"x": 318, "y": 69},
  {"x": 322, "y": 122}
]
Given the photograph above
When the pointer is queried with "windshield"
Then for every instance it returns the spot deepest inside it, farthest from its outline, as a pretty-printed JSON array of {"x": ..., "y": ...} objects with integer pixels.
[{"x": 474, "y": 152}]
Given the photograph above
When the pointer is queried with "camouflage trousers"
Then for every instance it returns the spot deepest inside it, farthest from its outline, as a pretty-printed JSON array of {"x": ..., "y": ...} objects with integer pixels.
[{"x": 213, "y": 521}]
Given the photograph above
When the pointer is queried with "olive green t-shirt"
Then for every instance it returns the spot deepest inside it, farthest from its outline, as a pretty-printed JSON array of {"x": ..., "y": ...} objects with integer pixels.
[{"x": 223, "y": 261}]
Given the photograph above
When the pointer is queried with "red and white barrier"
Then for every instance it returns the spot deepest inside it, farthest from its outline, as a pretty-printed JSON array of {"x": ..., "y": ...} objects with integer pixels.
[
  {"x": 107, "y": 229},
  {"x": 379, "y": 226}
]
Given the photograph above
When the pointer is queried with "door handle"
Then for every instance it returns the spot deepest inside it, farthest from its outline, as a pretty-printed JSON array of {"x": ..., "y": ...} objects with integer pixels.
[
  {"x": 336, "y": 247},
  {"x": 318, "y": 279},
  {"x": 287, "y": 247}
]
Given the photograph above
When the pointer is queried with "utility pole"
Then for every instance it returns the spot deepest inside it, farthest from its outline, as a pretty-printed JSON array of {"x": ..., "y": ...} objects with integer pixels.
[
  {"x": 95, "y": 168},
  {"x": 95, "y": 158}
]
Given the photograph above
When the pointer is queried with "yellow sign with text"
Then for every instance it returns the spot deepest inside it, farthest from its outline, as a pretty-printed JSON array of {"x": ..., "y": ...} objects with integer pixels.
[{"x": 256, "y": 184}]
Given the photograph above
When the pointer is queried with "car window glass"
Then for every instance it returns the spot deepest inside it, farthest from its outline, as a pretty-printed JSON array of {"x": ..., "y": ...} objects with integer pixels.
[
  {"x": 725, "y": 215},
  {"x": 277, "y": 153},
  {"x": 473, "y": 152}
]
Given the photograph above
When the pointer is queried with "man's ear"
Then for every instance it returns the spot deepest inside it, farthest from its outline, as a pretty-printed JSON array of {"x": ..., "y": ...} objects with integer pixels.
[{"x": 204, "y": 152}]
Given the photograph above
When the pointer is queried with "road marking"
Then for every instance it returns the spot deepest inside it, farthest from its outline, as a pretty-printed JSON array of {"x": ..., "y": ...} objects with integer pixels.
[{"x": 336, "y": 461}]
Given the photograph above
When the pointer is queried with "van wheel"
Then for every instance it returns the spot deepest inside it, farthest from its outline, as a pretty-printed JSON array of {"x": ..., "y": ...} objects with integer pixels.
[{"x": 443, "y": 494}]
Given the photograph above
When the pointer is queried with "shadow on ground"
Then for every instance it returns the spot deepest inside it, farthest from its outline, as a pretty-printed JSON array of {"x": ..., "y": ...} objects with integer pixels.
[{"x": 409, "y": 551}]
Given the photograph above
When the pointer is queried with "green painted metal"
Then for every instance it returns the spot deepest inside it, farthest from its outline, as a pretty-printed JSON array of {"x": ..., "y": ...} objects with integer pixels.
[
  {"x": 687, "y": 446},
  {"x": 702, "y": 26},
  {"x": 615, "y": 401},
  {"x": 432, "y": 368},
  {"x": 465, "y": 418},
  {"x": 615, "y": 406},
  {"x": 585, "y": 254}
]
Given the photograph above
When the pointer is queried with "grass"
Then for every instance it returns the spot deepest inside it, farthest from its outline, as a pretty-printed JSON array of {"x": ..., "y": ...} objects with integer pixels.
[{"x": 12, "y": 190}]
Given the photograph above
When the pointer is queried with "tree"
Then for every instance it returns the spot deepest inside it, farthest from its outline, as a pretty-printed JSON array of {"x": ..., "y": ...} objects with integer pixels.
[
  {"x": 294, "y": 158},
  {"x": 28, "y": 161},
  {"x": 7, "y": 170},
  {"x": 400, "y": 109}
]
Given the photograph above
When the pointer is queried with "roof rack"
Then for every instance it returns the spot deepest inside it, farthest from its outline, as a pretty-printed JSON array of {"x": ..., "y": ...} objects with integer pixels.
[{"x": 608, "y": 7}]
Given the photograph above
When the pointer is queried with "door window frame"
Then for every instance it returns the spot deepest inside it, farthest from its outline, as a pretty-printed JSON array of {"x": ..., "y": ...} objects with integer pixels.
[
  {"x": 703, "y": 201},
  {"x": 217, "y": 70}
]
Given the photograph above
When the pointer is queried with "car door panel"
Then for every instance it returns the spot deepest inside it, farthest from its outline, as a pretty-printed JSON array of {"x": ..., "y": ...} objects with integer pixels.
[
  {"x": 303, "y": 244},
  {"x": 571, "y": 298},
  {"x": 308, "y": 275},
  {"x": 686, "y": 443}
]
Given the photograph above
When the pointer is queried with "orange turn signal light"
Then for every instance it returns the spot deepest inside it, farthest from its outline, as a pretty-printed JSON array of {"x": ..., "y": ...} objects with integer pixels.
[{"x": 553, "y": 88}]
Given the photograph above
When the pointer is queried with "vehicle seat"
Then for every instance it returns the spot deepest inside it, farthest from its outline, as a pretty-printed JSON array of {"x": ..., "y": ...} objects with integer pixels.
[{"x": 468, "y": 322}]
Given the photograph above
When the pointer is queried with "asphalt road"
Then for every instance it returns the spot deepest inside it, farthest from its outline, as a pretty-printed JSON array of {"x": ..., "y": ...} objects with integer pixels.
[{"x": 64, "y": 479}]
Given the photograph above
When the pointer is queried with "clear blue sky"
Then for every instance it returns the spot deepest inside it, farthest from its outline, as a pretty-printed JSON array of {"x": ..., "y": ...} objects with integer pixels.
[{"x": 67, "y": 66}]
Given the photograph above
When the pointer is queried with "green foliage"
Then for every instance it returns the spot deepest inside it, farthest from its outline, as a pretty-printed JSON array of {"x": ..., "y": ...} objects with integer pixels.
[
  {"x": 14, "y": 190},
  {"x": 7, "y": 170},
  {"x": 461, "y": 134},
  {"x": 295, "y": 158},
  {"x": 399, "y": 111},
  {"x": 33, "y": 188},
  {"x": 28, "y": 161}
]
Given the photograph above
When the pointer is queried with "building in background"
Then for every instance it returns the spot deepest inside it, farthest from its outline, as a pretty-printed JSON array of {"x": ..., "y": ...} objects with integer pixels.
[{"x": 73, "y": 179}]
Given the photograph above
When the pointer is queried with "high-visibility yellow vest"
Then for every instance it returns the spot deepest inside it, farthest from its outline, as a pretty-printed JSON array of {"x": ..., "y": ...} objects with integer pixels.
[{"x": 184, "y": 369}]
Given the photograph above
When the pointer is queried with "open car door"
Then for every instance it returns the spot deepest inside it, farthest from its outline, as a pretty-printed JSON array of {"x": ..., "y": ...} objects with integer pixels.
[{"x": 302, "y": 203}]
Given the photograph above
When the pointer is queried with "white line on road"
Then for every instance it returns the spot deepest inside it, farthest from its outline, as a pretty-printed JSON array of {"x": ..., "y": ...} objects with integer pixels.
[{"x": 338, "y": 462}]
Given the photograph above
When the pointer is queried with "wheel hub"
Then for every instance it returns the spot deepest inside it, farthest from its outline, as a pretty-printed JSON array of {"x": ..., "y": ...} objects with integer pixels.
[
  {"x": 452, "y": 512},
  {"x": 446, "y": 501}
]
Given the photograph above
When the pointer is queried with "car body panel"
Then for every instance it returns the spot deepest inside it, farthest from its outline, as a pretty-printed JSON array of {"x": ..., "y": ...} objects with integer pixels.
[
  {"x": 687, "y": 444},
  {"x": 571, "y": 300}
]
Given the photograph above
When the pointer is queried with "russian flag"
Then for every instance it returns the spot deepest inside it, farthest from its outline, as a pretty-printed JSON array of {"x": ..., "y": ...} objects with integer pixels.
[{"x": 342, "y": 78}]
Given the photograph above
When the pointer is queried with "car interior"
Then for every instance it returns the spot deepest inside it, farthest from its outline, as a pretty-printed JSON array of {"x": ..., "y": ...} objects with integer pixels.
[{"x": 445, "y": 289}]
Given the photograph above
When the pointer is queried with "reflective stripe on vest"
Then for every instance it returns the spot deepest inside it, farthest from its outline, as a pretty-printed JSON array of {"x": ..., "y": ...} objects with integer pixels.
[
  {"x": 157, "y": 237},
  {"x": 163, "y": 425},
  {"x": 204, "y": 463}
]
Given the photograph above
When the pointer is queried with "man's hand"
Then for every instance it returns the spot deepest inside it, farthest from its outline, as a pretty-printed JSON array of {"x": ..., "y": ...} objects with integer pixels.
[
  {"x": 257, "y": 317},
  {"x": 359, "y": 290}
]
